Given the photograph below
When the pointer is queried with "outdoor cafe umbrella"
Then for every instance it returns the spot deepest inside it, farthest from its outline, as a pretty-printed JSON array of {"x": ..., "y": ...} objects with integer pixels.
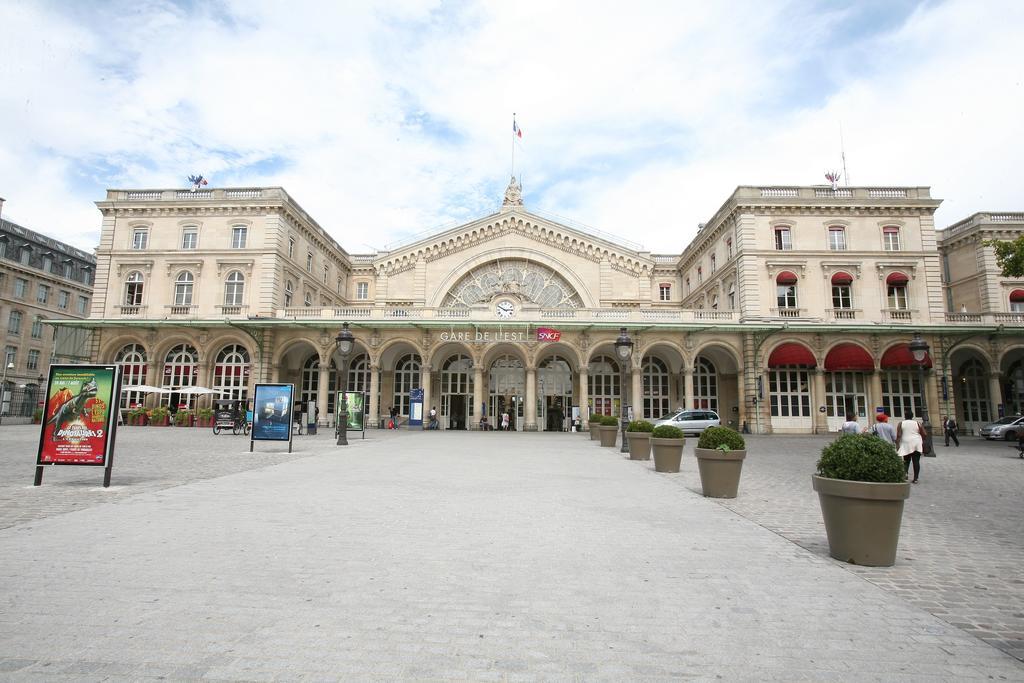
[
  {"x": 145, "y": 389},
  {"x": 199, "y": 391}
]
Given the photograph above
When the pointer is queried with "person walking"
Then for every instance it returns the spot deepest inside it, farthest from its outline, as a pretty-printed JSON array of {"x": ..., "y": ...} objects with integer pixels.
[
  {"x": 949, "y": 429},
  {"x": 504, "y": 421},
  {"x": 850, "y": 426},
  {"x": 910, "y": 443},
  {"x": 882, "y": 429}
]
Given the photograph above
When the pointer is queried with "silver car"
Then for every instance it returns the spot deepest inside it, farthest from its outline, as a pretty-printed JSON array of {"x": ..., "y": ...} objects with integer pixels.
[
  {"x": 1008, "y": 428},
  {"x": 692, "y": 421}
]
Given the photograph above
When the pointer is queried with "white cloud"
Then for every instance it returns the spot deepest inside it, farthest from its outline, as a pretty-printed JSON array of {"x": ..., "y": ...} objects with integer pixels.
[{"x": 639, "y": 120}]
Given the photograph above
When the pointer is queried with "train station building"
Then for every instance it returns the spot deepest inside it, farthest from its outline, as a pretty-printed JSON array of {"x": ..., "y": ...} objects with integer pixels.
[{"x": 791, "y": 307}]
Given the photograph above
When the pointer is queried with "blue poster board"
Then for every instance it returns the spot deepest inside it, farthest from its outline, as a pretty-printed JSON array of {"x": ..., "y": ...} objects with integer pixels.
[
  {"x": 272, "y": 414},
  {"x": 416, "y": 408}
]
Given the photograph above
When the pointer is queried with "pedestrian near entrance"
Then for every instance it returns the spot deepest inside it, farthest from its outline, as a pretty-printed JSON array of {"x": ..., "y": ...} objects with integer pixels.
[
  {"x": 950, "y": 429},
  {"x": 504, "y": 421},
  {"x": 850, "y": 426},
  {"x": 432, "y": 424},
  {"x": 909, "y": 436},
  {"x": 882, "y": 429}
]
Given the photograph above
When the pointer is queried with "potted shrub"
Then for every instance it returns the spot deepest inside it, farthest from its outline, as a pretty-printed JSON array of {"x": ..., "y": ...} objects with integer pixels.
[
  {"x": 184, "y": 418},
  {"x": 667, "y": 444},
  {"x": 861, "y": 485},
  {"x": 159, "y": 416},
  {"x": 37, "y": 416},
  {"x": 204, "y": 417},
  {"x": 593, "y": 423},
  {"x": 638, "y": 432},
  {"x": 720, "y": 452},
  {"x": 608, "y": 429},
  {"x": 137, "y": 416}
]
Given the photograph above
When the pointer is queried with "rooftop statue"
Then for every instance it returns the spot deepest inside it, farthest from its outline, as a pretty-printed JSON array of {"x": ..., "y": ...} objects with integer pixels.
[{"x": 513, "y": 194}]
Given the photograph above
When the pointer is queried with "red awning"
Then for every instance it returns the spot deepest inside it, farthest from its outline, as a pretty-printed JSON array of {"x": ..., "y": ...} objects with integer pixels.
[
  {"x": 897, "y": 279},
  {"x": 1017, "y": 295},
  {"x": 900, "y": 357},
  {"x": 842, "y": 278},
  {"x": 849, "y": 357},
  {"x": 791, "y": 354},
  {"x": 786, "y": 278}
]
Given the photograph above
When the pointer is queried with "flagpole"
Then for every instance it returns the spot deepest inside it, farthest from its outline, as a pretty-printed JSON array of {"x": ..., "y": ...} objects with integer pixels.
[{"x": 513, "y": 144}]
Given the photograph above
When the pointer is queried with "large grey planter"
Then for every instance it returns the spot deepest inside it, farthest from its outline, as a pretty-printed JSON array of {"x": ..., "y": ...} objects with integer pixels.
[
  {"x": 862, "y": 519},
  {"x": 608, "y": 434},
  {"x": 719, "y": 471},
  {"x": 594, "y": 426},
  {"x": 639, "y": 445},
  {"x": 667, "y": 454}
]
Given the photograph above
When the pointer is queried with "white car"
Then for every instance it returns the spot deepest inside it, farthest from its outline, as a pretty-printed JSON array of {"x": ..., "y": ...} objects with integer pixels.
[{"x": 692, "y": 421}]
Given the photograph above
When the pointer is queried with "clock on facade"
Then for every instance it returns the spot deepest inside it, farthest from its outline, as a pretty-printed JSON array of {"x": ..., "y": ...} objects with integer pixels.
[{"x": 505, "y": 309}]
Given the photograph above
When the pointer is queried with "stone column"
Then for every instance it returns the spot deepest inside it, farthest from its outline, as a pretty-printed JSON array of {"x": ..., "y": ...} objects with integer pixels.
[
  {"x": 636, "y": 395},
  {"x": 323, "y": 387},
  {"x": 819, "y": 418},
  {"x": 764, "y": 405},
  {"x": 425, "y": 385},
  {"x": 995, "y": 392},
  {"x": 374, "y": 417},
  {"x": 741, "y": 403},
  {"x": 153, "y": 378},
  {"x": 688, "y": 388},
  {"x": 584, "y": 395},
  {"x": 478, "y": 394},
  {"x": 931, "y": 395},
  {"x": 874, "y": 393},
  {"x": 531, "y": 400}
]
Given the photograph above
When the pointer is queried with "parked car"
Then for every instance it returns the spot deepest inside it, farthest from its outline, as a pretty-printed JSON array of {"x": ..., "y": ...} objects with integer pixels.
[
  {"x": 1007, "y": 428},
  {"x": 690, "y": 421}
]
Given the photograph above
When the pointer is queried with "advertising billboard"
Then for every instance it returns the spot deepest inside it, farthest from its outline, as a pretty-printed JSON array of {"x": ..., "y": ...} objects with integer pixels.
[
  {"x": 355, "y": 402},
  {"x": 78, "y": 422},
  {"x": 272, "y": 412}
]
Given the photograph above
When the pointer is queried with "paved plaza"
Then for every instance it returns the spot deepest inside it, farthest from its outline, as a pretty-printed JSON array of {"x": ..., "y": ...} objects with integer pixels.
[{"x": 491, "y": 556}]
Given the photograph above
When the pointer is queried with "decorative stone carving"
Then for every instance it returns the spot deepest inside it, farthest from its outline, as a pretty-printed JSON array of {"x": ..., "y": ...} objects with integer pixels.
[
  {"x": 513, "y": 193},
  {"x": 524, "y": 279}
]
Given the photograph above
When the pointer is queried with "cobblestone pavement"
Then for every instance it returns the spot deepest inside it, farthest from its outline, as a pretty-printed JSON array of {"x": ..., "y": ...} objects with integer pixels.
[
  {"x": 440, "y": 556},
  {"x": 961, "y": 552}
]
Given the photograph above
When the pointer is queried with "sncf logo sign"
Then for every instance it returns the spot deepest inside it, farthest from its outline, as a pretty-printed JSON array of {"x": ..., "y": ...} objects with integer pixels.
[{"x": 546, "y": 334}]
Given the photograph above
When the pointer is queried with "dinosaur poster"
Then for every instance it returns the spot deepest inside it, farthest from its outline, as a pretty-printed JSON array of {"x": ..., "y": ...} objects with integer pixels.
[{"x": 80, "y": 405}]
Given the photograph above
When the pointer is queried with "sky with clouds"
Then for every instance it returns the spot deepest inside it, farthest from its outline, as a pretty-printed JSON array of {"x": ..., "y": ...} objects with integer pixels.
[{"x": 389, "y": 119}]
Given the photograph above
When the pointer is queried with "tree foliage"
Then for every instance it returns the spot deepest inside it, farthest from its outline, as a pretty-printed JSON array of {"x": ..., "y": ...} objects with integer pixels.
[{"x": 1009, "y": 256}]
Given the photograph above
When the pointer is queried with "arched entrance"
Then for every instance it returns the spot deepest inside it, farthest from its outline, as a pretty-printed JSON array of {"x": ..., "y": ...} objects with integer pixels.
[
  {"x": 181, "y": 369},
  {"x": 1013, "y": 383},
  {"x": 231, "y": 372},
  {"x": 705, "y": 384},
  {"x": 846, "y": 384},
  {"x": 901, "y": 382},
  {"x": 132, "y": 359},
  {"x": 603, "y": 385},
  {"x": 789, "y": 388},
  {"x": 507, "y": 391},
  {"x": 554, "y": 393},
  {"x": 457, "y": 391},
  {"x": 970, "y": 386}
]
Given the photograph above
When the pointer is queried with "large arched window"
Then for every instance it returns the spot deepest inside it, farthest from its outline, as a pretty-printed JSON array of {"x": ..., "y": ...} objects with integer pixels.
[
  {"x": 603, "y": 385},
  {"x": 359, "y": 378},
  {"x": 1017, "y": 301},
  {"x": 407, "y": 378},
  {"x": 656, "y": 394},
  {"x": 289, "y": 293},
  {"x": 231, "y": 372},
  {"x": 311, "y": 382},
  {"x": 133, "y": 289},
  {"x": 132, "y": 359},
  {"x": 181, "y": 368},
  {"x": 234, "y": 289},
  {"x": 973, "y": 394},
  {"x": 183, "y": 288},
  {"x": 705, "y": 385}
]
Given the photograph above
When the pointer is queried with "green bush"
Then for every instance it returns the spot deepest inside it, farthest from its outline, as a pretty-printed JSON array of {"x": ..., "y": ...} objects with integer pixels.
[
  {"x": 37, "y": 415},
  {"x": 205, "y": 413},
  {"x": 595, "y": 418},
  {"x": 609, "y": 421},
  {"x": 856, "y": 457},
  {"x": 182, "y": 417},
  {"x": 667, "y": 432},
  {"x": 713, "y": 437},
  {"x": 158, "y": 414},
  {"x": 640, "y": 426}
]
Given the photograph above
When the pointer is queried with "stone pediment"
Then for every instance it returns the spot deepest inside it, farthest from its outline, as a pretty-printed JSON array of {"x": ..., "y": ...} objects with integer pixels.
[{"x": 536, "y": 233}]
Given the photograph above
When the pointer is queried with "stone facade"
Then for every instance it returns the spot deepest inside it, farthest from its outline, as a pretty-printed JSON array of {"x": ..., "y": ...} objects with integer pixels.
[
  {"x": 790, "y": 308},
  {"x": 40, "y": 279}
]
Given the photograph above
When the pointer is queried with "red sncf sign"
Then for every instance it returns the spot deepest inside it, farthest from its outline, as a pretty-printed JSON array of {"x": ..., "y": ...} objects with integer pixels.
[{"x": 546, "y": 334}]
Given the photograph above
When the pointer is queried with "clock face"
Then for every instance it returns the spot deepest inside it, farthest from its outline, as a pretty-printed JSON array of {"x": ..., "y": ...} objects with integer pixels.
[{"x": 505, "y": 309}]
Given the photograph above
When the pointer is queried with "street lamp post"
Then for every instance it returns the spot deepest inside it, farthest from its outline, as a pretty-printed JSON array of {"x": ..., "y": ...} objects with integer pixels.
[
  {"x": 3, "y": 389},
  {"x": 345, "y": 341},
  {"x": 624, "y": 352},
  {"x": 919, "y": 349}
]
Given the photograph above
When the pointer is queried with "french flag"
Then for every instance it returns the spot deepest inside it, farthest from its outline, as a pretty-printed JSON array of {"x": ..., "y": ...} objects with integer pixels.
[{"x": 517, "y": 130}]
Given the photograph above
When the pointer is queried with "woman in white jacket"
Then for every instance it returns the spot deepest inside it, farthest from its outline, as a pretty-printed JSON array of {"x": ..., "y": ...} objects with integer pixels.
[{"x": 910, "y": 443}]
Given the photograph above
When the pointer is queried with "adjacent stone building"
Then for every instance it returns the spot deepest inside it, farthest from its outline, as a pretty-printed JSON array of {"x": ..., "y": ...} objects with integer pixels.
[
  {"x": 790, "y": 308},
  {"x": 40, "y": 279}
]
